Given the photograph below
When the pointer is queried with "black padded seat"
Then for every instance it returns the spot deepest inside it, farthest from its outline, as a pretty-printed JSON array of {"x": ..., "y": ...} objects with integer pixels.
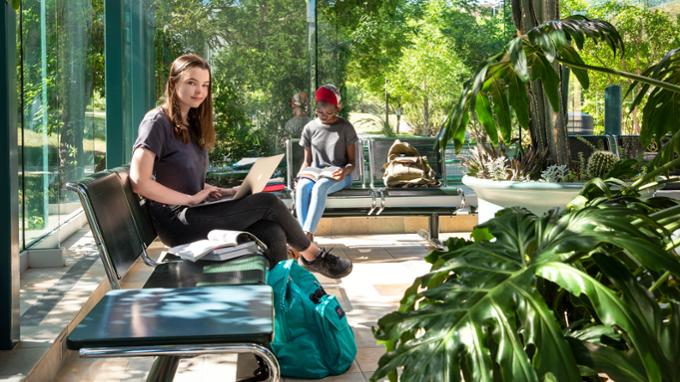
[
  {"x": 121, "y": 226},
  {"x": 422, "y": 191},
  {"x": 177, "y": 316},
  {"x": 185, "y": 274}
]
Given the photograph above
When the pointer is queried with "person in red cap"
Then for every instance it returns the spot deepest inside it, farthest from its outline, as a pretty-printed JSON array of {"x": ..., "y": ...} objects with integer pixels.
[{"x": 329, "y": 144}]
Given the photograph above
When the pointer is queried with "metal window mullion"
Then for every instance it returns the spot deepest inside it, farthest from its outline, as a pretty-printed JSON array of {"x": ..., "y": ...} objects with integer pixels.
[{"x": 9, "y": 242}]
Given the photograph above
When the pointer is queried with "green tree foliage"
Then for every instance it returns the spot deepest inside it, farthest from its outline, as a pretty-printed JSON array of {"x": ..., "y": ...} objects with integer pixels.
[
  {"x": 428, "y": 72},
  {"x": 377, "y": 31},
  {"x": 422, "y": 49},
  {"x": 477, "y": 32},
  {"x": 259, "y": 60},
  {"x": 647, "y": 34}
]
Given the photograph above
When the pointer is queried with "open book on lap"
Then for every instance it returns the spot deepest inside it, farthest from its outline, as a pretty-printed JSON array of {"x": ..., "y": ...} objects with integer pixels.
[
  {"x": 220, "y": 245},
  {"x": 314, "y": 173}
]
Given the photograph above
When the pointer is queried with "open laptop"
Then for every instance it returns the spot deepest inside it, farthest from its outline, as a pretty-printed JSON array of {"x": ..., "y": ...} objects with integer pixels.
[{"x": 257, "y": 178}]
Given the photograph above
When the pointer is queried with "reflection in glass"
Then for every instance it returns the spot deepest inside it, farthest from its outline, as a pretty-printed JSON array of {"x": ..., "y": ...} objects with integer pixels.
[
  {"x": 62, "y": 135},
  {"x": 258, "y": 53}
]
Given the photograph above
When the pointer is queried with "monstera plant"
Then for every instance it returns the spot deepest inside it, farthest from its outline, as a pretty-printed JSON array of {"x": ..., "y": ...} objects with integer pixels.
[
  {"x": 575, "y": 294},
  {"x": 581, "y": 293}
]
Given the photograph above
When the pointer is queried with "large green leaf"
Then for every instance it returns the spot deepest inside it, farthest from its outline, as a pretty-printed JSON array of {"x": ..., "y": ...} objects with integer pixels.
[
  {"x": 656, "y": 335},
  {"x": 661, "y": 111},
  {"x": 541, "y": 69},
  {"x": 613, "y": 362},
  {"x": 610, "y": 309},
  {"x": 483, "y": 311},
  {"x": 517, "y": 96},
  {"x": 485, "y": 116},
  {"x": 570, "y": 55},
  {"x": 497, "y": 317}
]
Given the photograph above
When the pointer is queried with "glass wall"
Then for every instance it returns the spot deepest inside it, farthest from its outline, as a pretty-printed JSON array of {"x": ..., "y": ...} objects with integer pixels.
[
  {"x": 61, "y": 86},
  {"x": 258, "y": 53}
]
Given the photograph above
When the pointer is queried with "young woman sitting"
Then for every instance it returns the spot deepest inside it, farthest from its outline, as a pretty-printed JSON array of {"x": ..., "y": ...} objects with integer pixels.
[{"x": 169, "y": 166}]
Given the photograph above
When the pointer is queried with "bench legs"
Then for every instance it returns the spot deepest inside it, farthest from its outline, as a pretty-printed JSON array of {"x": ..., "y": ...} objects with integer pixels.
[
  {"x": 164, "y": 368},
  {"x": 434, "y": 226}
]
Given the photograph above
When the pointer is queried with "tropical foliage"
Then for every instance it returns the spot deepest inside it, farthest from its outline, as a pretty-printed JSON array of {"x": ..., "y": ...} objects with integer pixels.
[
  {"x": 499, "y": 91},
  {"x": 647, "y": 34},
  {"x": 567, "y": 296}
]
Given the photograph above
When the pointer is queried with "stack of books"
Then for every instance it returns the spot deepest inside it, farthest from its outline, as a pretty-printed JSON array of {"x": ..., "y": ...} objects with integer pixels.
[
  {"x": 219, "y": 246},
  {"x": 274, "y": 185}
]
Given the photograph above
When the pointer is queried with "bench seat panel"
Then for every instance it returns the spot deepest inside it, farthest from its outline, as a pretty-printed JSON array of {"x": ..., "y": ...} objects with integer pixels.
[
  {"x": 172, "y": 316},
  {"x": 185, "y": 274},
  {"x": 423, "y": 201}
]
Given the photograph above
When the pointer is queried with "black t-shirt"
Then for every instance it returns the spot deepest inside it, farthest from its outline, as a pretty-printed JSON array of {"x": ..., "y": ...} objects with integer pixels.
[{"x": 178, "y": 165}]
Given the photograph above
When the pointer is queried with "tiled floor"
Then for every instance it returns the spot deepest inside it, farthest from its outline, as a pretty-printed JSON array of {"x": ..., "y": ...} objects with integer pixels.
[{"x": 384, "y": 266}]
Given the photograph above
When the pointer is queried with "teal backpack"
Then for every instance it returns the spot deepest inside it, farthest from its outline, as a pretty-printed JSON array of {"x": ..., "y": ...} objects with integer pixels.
[{"x": 312, "y": 338}]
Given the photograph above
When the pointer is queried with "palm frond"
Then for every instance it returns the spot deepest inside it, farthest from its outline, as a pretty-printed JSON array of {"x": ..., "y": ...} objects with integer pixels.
[{"x": 498, "y": 90}]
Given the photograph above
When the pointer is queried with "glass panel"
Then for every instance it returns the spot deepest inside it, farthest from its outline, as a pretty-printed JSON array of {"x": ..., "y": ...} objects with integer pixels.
[
  {"x": 63, "y": 109},
  {"x": 401, "y": 64},
  {"x": 19, "y": 117},
  {"x": 258, "y": 53}
]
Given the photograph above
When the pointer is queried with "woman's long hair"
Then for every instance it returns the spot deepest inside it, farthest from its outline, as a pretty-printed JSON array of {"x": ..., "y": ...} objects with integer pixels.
[{"x": 200, "y": 119}]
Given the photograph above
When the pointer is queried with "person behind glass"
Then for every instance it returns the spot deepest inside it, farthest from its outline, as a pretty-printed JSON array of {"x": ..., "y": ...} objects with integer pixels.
[
  {"x": 169, "y": 165},
  {"x": 298, "y": 105},
  {"x": 328, "y": 140}
]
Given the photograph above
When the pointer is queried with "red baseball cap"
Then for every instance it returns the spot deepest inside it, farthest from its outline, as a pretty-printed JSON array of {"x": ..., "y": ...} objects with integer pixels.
[{"x": 325, "y": 94}]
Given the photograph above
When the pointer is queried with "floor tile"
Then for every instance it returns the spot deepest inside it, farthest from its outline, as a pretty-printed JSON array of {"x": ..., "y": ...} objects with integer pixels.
[{"x": 367, "y": 358}]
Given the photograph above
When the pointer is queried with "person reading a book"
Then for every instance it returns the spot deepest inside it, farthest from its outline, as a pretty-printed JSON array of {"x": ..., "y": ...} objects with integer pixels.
[
  {"x": 329, "y": 143},
  {"x": 169, "y": 166}
]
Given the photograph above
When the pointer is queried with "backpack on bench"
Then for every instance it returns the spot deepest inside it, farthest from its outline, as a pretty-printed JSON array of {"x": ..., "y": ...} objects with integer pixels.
[
  {"x": 405, "y": 167},
  {"x": 312, "y": 338}
]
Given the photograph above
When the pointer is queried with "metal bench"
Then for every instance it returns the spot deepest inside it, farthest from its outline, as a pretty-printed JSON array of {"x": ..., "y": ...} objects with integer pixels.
[
  {"x": 356, "y": 200},
  {"x": 369, "y": 197},
  {"x": 184, "y": 309},
  {"x": 424, "y": 201}
]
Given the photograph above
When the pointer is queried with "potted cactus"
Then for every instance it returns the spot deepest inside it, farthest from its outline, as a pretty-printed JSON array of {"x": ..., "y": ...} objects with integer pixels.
[
  {"x": 601, "y": 163},
  {"x": 556, "y": 186}
]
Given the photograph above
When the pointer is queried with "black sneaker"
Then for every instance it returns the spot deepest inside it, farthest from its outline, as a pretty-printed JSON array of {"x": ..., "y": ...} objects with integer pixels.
[{"x": 328, "y": 264}]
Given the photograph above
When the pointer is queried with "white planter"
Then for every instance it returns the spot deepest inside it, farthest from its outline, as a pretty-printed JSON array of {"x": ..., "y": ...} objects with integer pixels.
[{"x": 537, "y": 197}]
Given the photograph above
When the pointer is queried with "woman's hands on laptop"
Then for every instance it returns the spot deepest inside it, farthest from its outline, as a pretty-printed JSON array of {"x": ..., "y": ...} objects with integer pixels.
[
  {"x": 206, "y": 193},
  {"x": 210, "y": 193},
  {"x": 226, "y": 192}
]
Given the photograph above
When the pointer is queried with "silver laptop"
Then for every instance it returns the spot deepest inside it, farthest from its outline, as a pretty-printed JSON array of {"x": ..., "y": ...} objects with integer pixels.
[{"x": 255, "y": 181}]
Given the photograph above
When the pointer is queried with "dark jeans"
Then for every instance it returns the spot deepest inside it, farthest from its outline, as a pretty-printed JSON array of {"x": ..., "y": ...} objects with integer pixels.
[{"x": 262, "y": 214}]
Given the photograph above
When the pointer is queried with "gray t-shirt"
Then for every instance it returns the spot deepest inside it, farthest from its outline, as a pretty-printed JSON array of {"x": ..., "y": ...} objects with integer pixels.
[
  {"x": 293, "y": 127},
  {"x": 179, "y": 166},
  {"x": 328, "y": 142}
]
